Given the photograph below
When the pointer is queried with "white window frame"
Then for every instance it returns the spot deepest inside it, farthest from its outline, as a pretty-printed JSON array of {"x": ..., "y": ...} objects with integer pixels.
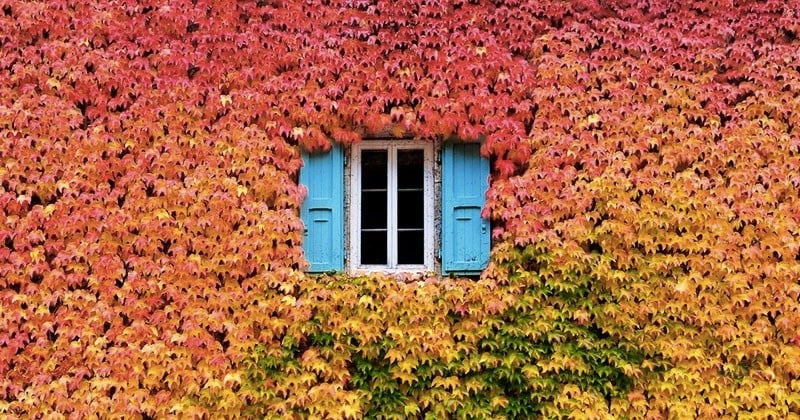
[{"x": 354, "y": 260}]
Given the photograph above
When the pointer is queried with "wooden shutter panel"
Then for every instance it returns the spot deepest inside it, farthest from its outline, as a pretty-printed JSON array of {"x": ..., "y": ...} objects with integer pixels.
[
  {"x": 322, "y": 210},
  {"x": 465, "y": 235}
]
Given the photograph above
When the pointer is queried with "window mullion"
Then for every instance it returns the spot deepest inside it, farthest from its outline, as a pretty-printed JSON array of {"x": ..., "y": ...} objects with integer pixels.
[{"x": 392, "y": 207}]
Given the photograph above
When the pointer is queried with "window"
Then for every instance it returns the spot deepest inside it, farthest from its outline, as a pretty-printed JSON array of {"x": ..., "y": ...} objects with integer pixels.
[
  {"x": 391, "y": 206},
  {"x": 399, "y": 217}
]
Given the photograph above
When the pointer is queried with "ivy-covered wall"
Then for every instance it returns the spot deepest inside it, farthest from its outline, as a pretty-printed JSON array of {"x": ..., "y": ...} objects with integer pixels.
[{"x": 645, "y": 199}]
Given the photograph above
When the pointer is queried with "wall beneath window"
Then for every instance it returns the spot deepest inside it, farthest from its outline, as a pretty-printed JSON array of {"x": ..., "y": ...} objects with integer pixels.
[{"x": 437, "y": 200}]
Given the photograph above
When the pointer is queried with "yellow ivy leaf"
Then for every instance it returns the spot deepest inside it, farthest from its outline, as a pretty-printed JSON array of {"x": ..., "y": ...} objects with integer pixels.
[
  {"x": 393, "y": 355},
  {"x": 682, "y": 286},
  {"x": 448, "y": 383},
  {"x": 404, "y": 377},
  {"x": 176, "y": 408},
  {"x": 411, "y": 409},
  {"x": 408, "y": 365},
  {"x": 366, "y": 301},
  {"x": 62, "y": 185},
  {"x": 232, "y": 379},
  {"x": 499, "y": 401},
  {"x": 162, "y": 214},
  {"x": 350, "y": 411},
  {"x": 53, "y": 83},
  {"x": 36, "y": 255}
]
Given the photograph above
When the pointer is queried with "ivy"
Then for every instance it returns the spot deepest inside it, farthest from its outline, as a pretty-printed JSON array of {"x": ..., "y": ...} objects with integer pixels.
[{"x": 643, "y": 197}]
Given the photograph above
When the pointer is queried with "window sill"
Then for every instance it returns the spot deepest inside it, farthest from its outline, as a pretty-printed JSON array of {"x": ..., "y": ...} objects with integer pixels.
[
  {"x": 401, "y": 275},
  {"x": 414, "y": 270}
]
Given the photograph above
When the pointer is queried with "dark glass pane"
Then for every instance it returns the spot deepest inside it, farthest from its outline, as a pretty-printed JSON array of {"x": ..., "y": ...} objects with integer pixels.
[
  {"x": 410, "y": 211},
  {"x": 373, "y": 206},
  {"x": 373, "y": 169},
  {"x": 373, "y": 248},
  {"x": 410, "y": 247},
  {"x": 373, "y": 210},
  {"x": 410, "y": 164}
]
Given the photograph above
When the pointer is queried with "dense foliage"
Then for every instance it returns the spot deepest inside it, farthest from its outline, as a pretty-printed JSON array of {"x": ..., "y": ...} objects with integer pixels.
[{"x": 645, "y": 196}]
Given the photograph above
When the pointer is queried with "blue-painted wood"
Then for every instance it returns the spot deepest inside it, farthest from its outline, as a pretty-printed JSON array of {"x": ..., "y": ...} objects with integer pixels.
[
  {"x": 465, "y": 235},
  {"x": 323, "y": 210}
]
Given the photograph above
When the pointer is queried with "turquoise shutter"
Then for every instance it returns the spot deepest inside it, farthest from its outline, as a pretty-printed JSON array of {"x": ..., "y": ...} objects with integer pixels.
[
  {"x": 322, "y": 210},
  {"x": 465, "y": 235}
]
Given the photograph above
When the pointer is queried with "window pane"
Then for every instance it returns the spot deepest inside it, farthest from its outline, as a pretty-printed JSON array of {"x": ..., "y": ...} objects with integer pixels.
[
  {"x": 410, "y": 164},
  {"x": 410, "y": 246},
  {"x": 373, "y": 248},
  {"x": 373, "y": 169},
  {"x": 373, "y": 210},
  {"x": 373, "y": 206},
  {"x": 410, "y": 209}
]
